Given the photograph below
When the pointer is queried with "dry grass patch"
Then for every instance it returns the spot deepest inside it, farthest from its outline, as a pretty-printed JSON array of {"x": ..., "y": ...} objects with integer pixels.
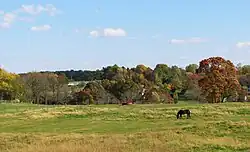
[
  {"x": 240, "y": 124},
  {"x": 222, "y": 141},
  {"x": 7, "y": 115},
  {"x": 45, "y": 113},
  {"x": 161, "y": 141}
]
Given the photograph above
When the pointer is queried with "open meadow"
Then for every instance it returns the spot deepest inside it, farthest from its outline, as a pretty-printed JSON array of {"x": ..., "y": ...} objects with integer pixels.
[{"x": 103, "y": 128}]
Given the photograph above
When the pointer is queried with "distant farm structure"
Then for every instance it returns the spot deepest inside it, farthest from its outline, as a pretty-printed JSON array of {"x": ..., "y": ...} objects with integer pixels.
[{"x": 80, "y": 83}]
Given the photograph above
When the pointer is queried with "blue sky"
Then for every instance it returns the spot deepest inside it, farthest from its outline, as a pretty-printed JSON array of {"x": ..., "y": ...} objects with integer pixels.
[{"x": 90, "y": 34}]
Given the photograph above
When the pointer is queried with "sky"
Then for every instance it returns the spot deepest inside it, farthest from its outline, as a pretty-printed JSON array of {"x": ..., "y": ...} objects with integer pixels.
[{"x": 91, "y": 34}]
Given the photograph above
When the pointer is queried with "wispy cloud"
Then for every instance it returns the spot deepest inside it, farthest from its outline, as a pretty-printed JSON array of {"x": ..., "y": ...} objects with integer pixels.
[
  {"x": 26, "y": 19},
  {"x": 77, "y": 30},
  {"x": 156, "y": 36},
  {"x": 16, "y": 15},
  {"x": 8, "y": 19},
  {"x": 80, "y": 30},
  {"x": 4, "y": 25},
  {"x": 37, "y": 9},
  {"x": 243, "y": 44},
  {"x": 187, "y": 41},
  {"x": 94, "y": 34},
  {"x": 109, "y": 32},
  {"x": 41, "y": 28}
]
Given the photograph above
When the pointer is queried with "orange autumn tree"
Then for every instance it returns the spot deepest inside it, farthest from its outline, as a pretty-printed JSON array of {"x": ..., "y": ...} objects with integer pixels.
[{"x": 218, "y": 80}]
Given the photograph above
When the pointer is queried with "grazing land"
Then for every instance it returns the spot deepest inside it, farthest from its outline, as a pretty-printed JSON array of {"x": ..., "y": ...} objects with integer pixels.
[{"x": 103, "y": 128}]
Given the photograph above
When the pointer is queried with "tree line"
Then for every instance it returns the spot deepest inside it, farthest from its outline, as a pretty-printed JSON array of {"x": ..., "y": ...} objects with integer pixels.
[{"x": 214, "y": 80}]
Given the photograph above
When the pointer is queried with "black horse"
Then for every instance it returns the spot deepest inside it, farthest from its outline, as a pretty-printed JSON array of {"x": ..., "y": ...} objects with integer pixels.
[{"x": 182, "y": 112}]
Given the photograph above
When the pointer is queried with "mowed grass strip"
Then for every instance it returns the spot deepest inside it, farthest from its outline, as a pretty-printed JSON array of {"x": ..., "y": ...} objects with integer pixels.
[{"x": 213, "y": 127}]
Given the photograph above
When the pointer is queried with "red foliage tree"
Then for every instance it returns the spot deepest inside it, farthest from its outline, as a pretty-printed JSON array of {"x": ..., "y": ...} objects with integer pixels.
[
  {"x": 193, "y": 77},
  {"x": 218, "y": 80}
]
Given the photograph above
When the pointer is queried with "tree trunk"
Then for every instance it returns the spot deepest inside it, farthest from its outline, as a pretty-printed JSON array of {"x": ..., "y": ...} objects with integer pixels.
[
  {"x": 1, "y": 96},
  {"x": 46, "y": 98},
  {"x": 37, "y": 99}
]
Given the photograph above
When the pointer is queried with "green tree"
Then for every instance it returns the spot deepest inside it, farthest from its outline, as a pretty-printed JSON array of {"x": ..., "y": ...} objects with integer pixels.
[
  {"x": 244, "y": 80},
  {"x": 141, "y": 69},
  {"x": 193, "y": 91},
  {"x": 34, "y": 86},
  {"x": 245, "y": 69},
  {"x": 44, "y": 87},
  {"x": 112, "y": 72},
  {"x": 176, "y": 78},
  {"x": 161, "y": 73},
  {"x": 191, "y": 68}
]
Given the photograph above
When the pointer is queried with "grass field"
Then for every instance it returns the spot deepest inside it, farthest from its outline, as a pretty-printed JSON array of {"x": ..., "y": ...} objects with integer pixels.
[{"x": 104, "y": 128}]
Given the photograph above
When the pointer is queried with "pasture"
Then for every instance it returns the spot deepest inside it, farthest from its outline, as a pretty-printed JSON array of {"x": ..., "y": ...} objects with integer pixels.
[{"x": 105, "y": 128}]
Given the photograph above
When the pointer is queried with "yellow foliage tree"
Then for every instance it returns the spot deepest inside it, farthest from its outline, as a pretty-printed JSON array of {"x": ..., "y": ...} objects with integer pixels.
[{"x": 9, "y": 84}]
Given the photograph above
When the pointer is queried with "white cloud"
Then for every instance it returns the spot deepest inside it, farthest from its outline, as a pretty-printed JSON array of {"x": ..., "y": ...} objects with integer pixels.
[
  {"x": 9, "y": 17},
  {"x": 16, "y": 15},
  {"x": 26, "y": 19},
  {"x": 156, "y": 36},
  {"x": 243, "y": 44},
  {"x": 37, "y": 9},
  {"x": 4, "y": 25},
  {"x": 80, "y": 30},
  {"x": 30, "y": 9},
  {"x": 187, "y": 41},
  {"x": 94, "y": 33},
  {"x": 109, "y": 32},
  {"x": 41, "y": 28},
  {"x": 77, "y": 30}
]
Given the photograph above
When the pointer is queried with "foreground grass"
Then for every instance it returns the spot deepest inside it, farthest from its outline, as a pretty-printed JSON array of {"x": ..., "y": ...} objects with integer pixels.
[{"x": 213, "y": 127}]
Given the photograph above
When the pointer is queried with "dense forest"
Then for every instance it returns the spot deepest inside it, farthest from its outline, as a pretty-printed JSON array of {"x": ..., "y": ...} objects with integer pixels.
[{"x": 214, "y": 80}]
